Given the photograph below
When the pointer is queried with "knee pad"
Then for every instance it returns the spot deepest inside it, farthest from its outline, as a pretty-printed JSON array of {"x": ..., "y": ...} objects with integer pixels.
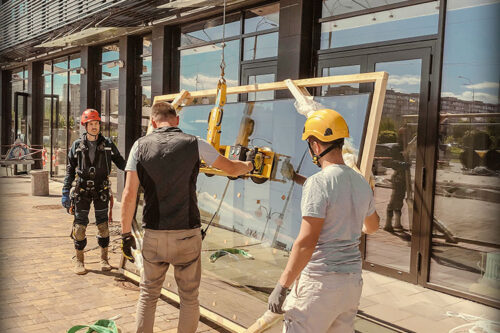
[
  {"x": 103, "y": 234},
  {"x": 103, "y": 241},
  {"x": 80, "y": 244},
  {"x": 103, "y": 229},
  {"x": 79, "y": 232}
]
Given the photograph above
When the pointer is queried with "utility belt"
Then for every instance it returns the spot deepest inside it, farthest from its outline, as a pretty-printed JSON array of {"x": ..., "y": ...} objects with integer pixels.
[{"x": 90, "y": 189}]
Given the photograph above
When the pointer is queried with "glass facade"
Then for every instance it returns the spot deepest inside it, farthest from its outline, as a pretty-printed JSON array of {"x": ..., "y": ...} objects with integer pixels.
[
  {"x": 465, "y": 243},
  {"x": 146, "y": 100}
]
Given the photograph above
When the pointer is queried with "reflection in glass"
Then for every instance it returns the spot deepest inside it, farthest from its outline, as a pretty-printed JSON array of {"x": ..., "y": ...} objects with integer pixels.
[
  {"x": 207, "y": 31},
  {"x": 465, "y": 243},
  {"x": 345, "y": 89},
  {"x": 60, "y": 122},
  {"x": 406, "y": 22},
  {"x": 146, "y": 66},
  {"x": 260, "y": 219},
  {"x": 394, "y": 165},
  {"x": 147, "y": 45},
  {"x": 338, "y": 7},
  {"x": 74, "y": 61},
  {"x": 110, "y": 52},
  {"x": 200, "y": 68},
  {"x": 60, "y": 65},
  {"x": 146, "y": 108},
  {"x": 261, "y": 46},
  {"x": 74, "y": 104},
  {"x": 261, "y": 95},
  {"x": 262, "y": 18}
]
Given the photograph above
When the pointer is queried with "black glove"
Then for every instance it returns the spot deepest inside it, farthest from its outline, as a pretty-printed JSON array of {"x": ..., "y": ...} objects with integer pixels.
[
  {"x": 276, "y": 299},
  {"x": 128, "y": 243}
]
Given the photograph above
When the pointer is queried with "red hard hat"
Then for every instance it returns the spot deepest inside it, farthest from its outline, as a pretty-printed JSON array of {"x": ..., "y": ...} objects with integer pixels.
[{"x": 89, "y": 115}]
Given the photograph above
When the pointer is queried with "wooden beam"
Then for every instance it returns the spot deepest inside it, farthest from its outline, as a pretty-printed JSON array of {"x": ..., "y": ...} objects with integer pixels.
[
  {"x": 281, "y": 85},
  {"x": 299, "y": 93},
  {"x": 373, "y": 125}
]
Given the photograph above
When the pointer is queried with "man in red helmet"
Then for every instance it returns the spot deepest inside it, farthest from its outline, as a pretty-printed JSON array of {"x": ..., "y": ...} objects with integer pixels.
[{"x": 89, "y": 160}]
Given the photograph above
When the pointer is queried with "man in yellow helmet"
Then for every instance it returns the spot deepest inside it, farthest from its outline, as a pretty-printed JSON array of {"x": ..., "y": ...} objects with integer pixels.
[{"x": 325, "y": 262}]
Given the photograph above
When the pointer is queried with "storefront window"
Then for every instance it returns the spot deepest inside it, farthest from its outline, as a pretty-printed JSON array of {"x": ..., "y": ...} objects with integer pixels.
[
  {"x": 61, "y": 123},
  {"x": 398, "y": 23},
  {"x": 465, "y": 244},
  {"x": 209, "y": 31},
  {"x": 110, "y": 63},
  {"x": 345, "y": 89},
  {"x": 262, "y": 18},
  {"x": 200, "y": 68},
  {"x": 261, "y": 46},
  {"x": 261, "y": 95},
  {"x": 339, "y": 7}
]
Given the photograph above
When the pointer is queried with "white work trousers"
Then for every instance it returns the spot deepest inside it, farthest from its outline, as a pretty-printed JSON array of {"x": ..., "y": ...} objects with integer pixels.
[{"x": 324, "y": 303}]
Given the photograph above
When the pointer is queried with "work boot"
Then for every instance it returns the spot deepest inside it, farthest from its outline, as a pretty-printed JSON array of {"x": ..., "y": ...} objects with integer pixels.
[
  {"x": 79, "y": 266},
  {"x": 105, "y": 266},
  {"x": 388, "y": 223},
  {"x": 397, "y": 220}
]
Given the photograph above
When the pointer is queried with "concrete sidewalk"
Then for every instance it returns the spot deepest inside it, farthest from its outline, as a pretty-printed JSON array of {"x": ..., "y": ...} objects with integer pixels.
[{"x": 40, "y": 293}]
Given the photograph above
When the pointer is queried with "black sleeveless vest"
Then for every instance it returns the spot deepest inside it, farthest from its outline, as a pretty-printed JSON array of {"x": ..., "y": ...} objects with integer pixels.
[{"x": 168, "y": 163}]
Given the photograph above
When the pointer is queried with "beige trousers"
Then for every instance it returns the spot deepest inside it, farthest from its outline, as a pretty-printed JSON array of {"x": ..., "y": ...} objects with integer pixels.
[
  {"x": 326, "y": 303},
  {"x": 182, "y": 249}
]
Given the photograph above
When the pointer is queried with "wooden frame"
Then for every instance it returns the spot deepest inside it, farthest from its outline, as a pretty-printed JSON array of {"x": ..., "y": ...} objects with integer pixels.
[
  {"x": 299, "y": 91},
  {"x": 301, "y": 94}
]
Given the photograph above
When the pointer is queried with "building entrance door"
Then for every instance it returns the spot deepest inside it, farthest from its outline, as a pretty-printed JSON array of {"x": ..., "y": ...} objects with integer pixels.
[
  {"x": 21, "y": 125},
  {"x": 394, "y": 249}
]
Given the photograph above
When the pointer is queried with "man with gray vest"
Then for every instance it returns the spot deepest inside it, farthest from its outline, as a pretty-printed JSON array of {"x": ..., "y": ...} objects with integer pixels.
[{"x": 166, "y": 163}]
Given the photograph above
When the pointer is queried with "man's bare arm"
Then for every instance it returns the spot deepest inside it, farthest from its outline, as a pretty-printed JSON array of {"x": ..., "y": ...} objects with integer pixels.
[
  {"x": 232, "y": 167},
  {"x": 129, "y": 198},
  {"x": 302, "y": 249},
  {"x": 371, "y": 223}
]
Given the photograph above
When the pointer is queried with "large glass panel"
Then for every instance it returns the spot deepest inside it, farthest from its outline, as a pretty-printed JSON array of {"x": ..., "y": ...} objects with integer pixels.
[
  {"x": 74, "y": 103},
  {"x": 406, "y": 22},
  {"x": 261, "y": 95},
  {"x": 261, "y": 46},
  {"x": 338, "y": 7},
  {"x": 345, "y": 89},
  {"x": 200, "y": 68},
  {"x": 465, "y": 244},
  {"x": 59, "y": 122},
  {"x": 394, "y": 165},
  {"x": 261, "y": 219},
  {"x": 207, "y": 31},
  {"x": 146, "y": 66},
  {"x": 262, "y": 18},
  {"x": 75, "y": 61},
  {"x": 17, "y": 85},
  {"x": 47, "y": 107}
]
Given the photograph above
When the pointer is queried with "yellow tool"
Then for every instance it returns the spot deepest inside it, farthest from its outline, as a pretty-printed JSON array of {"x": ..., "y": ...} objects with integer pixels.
[{"x": 264, "y": 160}]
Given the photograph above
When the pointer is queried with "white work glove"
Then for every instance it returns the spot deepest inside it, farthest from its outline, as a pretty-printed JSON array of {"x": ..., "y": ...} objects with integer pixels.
[{"x": 287, "y": 170}]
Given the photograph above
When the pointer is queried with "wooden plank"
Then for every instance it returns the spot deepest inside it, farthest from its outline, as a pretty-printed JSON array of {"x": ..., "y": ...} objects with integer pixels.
[
  {"x": 177, "y": 102},
  {"x": 373, "y": 125},
  {"x": 299, "y": 93},
  {"x": 281, "y": 85}
]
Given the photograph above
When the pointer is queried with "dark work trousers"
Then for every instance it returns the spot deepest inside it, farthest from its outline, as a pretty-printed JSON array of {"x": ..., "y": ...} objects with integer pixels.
[{"x": 82, "y": 208}]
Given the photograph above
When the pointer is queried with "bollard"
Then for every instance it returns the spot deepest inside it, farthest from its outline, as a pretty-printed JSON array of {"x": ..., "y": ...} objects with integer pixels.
[{"x": 40, "y": 183}]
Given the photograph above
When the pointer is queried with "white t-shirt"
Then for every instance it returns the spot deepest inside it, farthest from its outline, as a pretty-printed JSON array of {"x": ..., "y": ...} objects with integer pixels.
[
  {"x": 206, "y": 151},
  {"x": 344, "y": 199}
]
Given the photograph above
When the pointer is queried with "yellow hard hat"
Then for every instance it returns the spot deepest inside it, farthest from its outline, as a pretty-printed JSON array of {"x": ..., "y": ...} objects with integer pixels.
[{"x": 326, "y": 125}]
